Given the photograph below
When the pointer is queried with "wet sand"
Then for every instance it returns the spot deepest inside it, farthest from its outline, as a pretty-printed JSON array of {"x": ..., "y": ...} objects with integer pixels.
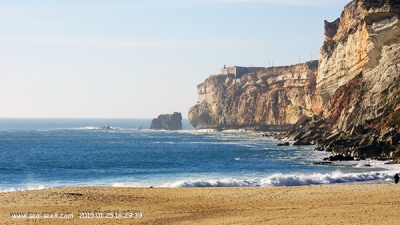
[{"x": 333, "y": 204}]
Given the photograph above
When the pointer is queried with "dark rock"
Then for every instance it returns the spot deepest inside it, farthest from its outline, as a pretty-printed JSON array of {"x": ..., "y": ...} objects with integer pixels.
[
  {"x": 359, "y": 129},
  {"x": 267, "y": 135},
  {"x": 322, "y": 163},
  {"x": 105, "y": 128},
  {"x": 167, "y": 122},
  {"x": 332, "y": 136},
  {"x": 368, "y": 151},
  {"x": 341, "y": 158},
  {"x": 302, "y": 142},
  {"x": 283, "y": 144}
]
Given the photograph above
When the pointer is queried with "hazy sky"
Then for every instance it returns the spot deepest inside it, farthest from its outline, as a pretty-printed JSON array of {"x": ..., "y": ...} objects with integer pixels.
[{"x": 139, "y": 59}]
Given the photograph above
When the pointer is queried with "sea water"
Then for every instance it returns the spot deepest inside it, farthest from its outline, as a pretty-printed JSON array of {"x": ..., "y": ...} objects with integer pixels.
[{"x": 47, "y": 153}]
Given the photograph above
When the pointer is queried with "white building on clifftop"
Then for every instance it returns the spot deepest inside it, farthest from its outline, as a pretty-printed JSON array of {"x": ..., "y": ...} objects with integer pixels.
[
  {"x": 239, "y": 71},
  {"x": 206, "y": 90}
]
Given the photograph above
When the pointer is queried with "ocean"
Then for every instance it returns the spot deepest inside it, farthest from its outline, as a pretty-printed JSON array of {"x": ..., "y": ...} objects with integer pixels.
[{"x": 51, "y": 153}]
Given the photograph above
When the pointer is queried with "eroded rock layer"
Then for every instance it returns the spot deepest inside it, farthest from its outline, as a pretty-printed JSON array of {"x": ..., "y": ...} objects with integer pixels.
[
  {"x": 359, "y": 66},
  {"x": 358, "y": 91}
]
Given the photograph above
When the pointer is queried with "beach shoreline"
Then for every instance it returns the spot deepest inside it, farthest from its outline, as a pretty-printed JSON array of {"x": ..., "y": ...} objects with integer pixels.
[{"x": 325, "y": 204}]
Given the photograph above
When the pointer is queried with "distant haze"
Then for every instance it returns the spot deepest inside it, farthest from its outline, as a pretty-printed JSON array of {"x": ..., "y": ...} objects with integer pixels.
[{"x": 139, "y": 59}]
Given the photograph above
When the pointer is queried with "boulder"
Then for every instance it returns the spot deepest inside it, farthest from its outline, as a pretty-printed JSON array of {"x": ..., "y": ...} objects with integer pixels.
[
  {"x": 302, "y": 142},
  {"x": 341, "y": 158},
  {"x": 359, "y": 129},
  {"x": 283, "y": 144},
  {"x": 167, "y": 122},
  {"x": 368, "y": 151}
]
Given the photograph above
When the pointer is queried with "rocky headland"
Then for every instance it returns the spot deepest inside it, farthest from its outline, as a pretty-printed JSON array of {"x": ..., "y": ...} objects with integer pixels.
[
  {"x": 271, "y": 99},
  {"x": 357, "y": 85},
  {"x": 167, "y": 122},
  {"x": 347, "y": 103}
]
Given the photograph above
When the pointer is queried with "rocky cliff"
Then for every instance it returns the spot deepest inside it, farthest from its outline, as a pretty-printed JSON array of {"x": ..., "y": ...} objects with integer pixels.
[
  {"x": 274, "y": 96},
  {"x": 167, "y": 122},
  {"x": 359, "y": 67},
  {"x": 356, "y": 83},
  {"x": 357, "y": 86}
]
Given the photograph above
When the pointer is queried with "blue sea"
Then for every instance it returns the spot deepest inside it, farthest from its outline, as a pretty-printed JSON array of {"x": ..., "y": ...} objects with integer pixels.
[{"x": 48, "y": 153}]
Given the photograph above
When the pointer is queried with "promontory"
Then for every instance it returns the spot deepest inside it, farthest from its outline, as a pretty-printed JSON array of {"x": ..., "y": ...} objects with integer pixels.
[{"x": 353, "y": 89}]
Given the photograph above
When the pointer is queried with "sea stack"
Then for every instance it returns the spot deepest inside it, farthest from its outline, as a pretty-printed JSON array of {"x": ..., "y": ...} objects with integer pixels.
[{"x": 167, "y": 122}]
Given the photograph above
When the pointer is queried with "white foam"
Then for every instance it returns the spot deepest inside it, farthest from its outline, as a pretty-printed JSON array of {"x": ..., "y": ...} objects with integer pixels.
[
  {"x": 204, "y": 131},
  {"x": 288, "y": 180},
  {"x": 129, "y": 184},
  {"x": 8, "y": 190},
  {"x": 227, "y": 182},
  {"x": 234, "y": 131},
  {"x": 27, "y": 188}
]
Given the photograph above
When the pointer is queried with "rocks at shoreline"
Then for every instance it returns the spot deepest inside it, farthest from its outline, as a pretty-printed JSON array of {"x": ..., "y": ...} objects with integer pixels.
[
  {"x": 359, "y": 142},
  {"x": 283, "y": 144},
  {"x": 340, "y": 158},
  {"x": 167, "y": 122},
  {"x": 346, "y": 103}
]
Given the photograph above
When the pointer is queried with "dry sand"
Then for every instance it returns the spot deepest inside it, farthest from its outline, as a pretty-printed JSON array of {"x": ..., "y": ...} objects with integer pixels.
[{"x": 334, "y": 204}]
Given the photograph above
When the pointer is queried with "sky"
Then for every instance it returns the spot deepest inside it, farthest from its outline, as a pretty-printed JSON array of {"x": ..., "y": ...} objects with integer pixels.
[{"x": 142, "y": 58}]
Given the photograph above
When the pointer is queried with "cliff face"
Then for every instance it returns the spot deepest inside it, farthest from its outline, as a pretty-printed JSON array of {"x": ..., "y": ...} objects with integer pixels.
[
  {"x": 359, "y": 66},
  {"x": 273, "y": 96},
  {"x": 356, "y": 83}
]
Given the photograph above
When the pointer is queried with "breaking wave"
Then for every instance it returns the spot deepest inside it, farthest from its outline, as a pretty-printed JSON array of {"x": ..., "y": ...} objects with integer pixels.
[
  {"x": 288, "y": 180},
  {"x": 27, "y": 188}
]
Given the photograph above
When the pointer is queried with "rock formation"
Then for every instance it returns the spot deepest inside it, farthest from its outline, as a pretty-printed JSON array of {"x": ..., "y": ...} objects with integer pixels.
[
  {"x": 268, "y": 99},
  {"x": 350, "y": 105},
  {"x": 357, "y": 92},
  {"x": 167, "y": 122},
  {"x": 359, "y": 66}
]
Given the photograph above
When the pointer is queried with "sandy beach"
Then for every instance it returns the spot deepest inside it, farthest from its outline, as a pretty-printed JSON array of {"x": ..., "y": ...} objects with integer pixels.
[{"x": 333, "y": 204}]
